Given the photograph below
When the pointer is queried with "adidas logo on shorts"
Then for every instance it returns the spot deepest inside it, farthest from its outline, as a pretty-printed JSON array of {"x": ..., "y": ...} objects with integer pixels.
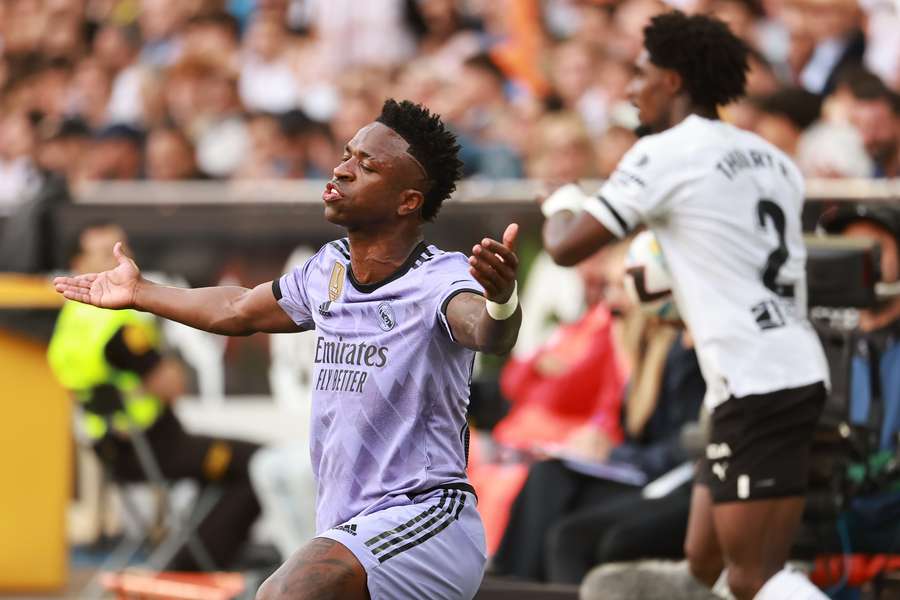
[{"x": 348, "y": 528}]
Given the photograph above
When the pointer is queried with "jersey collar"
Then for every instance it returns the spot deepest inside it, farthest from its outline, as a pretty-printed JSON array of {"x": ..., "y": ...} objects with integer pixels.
[{"x": 368, "y": 288}]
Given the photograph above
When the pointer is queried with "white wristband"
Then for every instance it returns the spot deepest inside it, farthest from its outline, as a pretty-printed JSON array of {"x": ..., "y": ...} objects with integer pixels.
[
  {"x": 501, "y": 312},
  {"x": 568, "y": 197}
]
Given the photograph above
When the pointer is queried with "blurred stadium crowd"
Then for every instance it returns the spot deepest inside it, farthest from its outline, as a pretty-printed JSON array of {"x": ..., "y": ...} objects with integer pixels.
[{"x": 269, "y": 89}]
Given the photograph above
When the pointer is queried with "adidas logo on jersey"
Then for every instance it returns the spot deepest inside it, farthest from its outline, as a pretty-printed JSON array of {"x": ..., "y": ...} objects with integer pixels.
[{"x": 347, "y": 528}]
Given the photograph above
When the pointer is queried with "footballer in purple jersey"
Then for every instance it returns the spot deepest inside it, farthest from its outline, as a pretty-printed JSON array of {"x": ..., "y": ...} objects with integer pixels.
[
  {"x": 390, "y": 384},
  {"x": 398, "y": 322}
]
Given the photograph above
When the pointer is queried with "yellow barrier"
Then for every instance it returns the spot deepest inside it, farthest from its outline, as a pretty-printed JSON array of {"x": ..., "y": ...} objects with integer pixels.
[{"x": 35, "y": 452}]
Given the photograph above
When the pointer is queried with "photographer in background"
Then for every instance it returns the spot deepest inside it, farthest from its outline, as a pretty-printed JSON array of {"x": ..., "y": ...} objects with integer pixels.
[{"x": 875, "y": 379}]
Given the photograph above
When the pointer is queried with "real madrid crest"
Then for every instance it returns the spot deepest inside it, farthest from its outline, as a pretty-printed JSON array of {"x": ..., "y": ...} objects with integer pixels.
[{"x": 386, "y": 318}]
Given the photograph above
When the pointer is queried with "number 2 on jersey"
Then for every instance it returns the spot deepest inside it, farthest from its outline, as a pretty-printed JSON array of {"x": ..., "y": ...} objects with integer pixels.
[{"x": 767, "y": 210}]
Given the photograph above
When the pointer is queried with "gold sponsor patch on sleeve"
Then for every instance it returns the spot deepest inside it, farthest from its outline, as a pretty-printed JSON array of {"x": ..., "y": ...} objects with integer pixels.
[{"x": 336, "y": 284}]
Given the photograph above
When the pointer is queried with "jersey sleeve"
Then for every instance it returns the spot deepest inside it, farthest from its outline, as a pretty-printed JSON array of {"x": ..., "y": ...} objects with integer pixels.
[
  {"x": 637, "y": 190},
  {"x": 452, "y": 278},
  {"x": 290, "y": 291}
]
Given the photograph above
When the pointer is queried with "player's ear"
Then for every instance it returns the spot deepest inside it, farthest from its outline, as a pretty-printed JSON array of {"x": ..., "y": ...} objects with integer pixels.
[
  {"x": 410, "y": 202},
  {"x": 672, "y": 81}
]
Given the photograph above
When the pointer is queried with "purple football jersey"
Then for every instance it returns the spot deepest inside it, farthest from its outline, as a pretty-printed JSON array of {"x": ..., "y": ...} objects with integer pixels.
[{"x": 390, "y": 385}]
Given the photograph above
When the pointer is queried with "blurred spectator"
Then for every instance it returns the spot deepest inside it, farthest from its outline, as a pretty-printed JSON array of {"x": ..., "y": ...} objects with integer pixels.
[
  {"x": 64, "y": 35},
  {"x": 833, "y": 150},
  {"x": 116, "y": 368},
  {"x": 482, "y": 120},
  {"x": 784, "y": 115},
  {"x": 445, "y": 35},
  {"x": 514, "y": 37},
  {"x": 561, "y": 149},
  {"x": 307, "y": 149},
  {"x": 63, "y": 144},
  {"x": 264, "y": 148},
  {"x": 182, "y": 89},
  {"x": 665, "y": 392},
  {"x": 574, "y": 78},
  {"x": 825, "y": 38},
  {"x": 116, "y": 49},
  {"x": 267, "y": 82},
  {"x": 875, "y": 113},
  {"x": 160, "y": 22},
  {"x": 352, "y": 33},
  {"x": 741, "y": 16},
  {"x": 761, "y": 79},
  {"x": 24, "y": 23},
  {"x": 170, "y": 156},
  {"x": 587, "y": 22},
  {"x": 90, "y": 93},
  {"x": 215, "y": 35},
  {"x": 356, "y": 109},
  {"x": 882, "y": 27},
  {"x": 51, "y": 84},
  {"x": 219, "y": 127},
  {"x": 322, "y": 150},
  {"x": 629, "y": 19},
  {"x": 18, "y": 175},
  {"x": 116, "y": 153}
]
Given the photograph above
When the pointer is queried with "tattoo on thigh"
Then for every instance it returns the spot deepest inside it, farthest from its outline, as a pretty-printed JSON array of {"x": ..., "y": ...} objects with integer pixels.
[{"x": 317, "y": 572}]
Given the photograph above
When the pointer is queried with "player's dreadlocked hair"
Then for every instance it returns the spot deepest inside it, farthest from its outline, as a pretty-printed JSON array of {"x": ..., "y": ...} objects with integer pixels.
[
  {"x": 431, "y": 144},
  {"x": 711, "y": 60}
]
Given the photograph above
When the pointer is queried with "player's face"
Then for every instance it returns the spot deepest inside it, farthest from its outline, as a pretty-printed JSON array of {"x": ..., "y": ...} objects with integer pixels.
[
  {"x": 374, "y": 178},
  {"x": 648, "y": 91}
]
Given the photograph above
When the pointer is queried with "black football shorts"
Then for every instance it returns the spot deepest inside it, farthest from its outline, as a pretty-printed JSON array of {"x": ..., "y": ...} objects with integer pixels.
[{"x": 759, "y": 446}]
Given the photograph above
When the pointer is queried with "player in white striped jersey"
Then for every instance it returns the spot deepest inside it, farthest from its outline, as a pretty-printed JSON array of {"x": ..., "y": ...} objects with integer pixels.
[{"x": 725, "y": 206}]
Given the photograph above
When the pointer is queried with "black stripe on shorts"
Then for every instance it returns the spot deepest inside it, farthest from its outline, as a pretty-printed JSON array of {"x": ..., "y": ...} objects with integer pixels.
[
  {"x": 441, "y": 513},
  {"x": 409, "y": 523},
  {"x": 443, "y": 525}
]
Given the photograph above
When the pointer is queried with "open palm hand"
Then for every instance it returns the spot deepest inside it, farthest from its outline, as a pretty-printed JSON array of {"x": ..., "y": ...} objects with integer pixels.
[{"x": 110, "y": 289}]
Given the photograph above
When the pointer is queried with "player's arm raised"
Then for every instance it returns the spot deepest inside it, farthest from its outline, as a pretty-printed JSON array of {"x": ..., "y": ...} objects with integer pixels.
[
  {"x": 227, "y": 310},
  {"x": 476, "y": 324},
  {"x": 571, "y": 234}
]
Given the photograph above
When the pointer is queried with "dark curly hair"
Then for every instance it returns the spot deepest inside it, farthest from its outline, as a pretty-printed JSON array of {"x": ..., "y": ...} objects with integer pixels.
[
  {"x": 711, "y": 60},
  {"x": 431, "y": 144}
]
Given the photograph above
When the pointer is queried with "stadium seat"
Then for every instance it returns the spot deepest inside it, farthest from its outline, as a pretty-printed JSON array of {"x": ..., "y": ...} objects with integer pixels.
[{"x": 166, "y": 535}]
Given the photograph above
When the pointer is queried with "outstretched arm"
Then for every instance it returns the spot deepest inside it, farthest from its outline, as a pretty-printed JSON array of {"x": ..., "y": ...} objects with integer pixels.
[
  {"x": 230, "y": 310},
  {"x": 570, "y": 234},
  {"x": 494, "y": 265},
  {"x": 227, "y": 310}
]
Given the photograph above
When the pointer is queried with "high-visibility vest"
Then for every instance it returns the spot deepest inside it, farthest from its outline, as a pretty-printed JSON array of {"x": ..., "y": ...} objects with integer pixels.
[{"x": 77, "y": 357}]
